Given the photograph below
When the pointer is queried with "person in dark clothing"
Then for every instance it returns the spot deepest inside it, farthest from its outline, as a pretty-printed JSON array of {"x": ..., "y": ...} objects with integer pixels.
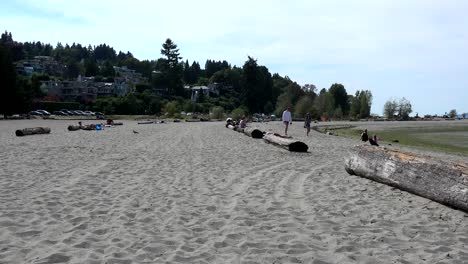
[
  {"x": 307, "y": 121},
  {"x": 373, "y": 141},
  {"x": 364, "y": 136}
]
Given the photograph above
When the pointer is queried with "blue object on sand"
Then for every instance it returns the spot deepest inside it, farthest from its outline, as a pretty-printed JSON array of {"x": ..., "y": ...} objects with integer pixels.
[{"x": 98, "y": 127}]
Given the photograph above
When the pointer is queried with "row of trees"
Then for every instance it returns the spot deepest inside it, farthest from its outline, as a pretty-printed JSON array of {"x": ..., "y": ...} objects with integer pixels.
[
  {"x": 247, "y": 89},
  {"x": 398, "y": 109}
]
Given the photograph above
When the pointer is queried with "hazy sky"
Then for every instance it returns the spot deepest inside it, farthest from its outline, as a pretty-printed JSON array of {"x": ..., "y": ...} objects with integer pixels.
[{"x": 416, "y": 49}]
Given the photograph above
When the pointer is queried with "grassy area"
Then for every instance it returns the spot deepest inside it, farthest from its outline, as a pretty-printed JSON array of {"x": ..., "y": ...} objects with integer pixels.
[{"x": 445, "y": 139}]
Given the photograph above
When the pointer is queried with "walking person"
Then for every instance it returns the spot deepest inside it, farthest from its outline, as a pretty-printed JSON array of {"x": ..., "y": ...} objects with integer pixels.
[
  {"x": 307, "y": 121},
  {"x": 287, "y": 119}
]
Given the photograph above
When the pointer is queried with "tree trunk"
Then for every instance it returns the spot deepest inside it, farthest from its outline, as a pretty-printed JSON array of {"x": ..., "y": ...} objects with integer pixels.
[
  {"x": 253, "y": 132},
  {"x": 440, "y": 181},
  {"x": 32, "y": 131},
  {"x": 286, "y": 143}
]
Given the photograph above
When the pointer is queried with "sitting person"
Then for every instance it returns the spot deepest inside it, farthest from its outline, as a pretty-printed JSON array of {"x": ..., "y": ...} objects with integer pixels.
[
  {"x": 229, "y": 122},
  {"x": 373, "y": 141},
  {"x": 243, "y": 122},
  {"x": 364, "y": 136},
  {"x": 110, "y": 122}
]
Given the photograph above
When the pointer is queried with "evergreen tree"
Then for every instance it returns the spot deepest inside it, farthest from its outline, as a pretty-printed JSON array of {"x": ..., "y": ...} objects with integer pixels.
[
  {"x": 172, "y": 71},
  {"x": 7, "y": 81},
  {"x": 256, "y": 86}
]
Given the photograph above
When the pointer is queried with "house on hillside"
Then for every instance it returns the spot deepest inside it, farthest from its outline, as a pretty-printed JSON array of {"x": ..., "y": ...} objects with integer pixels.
[
  {"x": 196, "y": 91},
  {"x": 40, "y": 65}
]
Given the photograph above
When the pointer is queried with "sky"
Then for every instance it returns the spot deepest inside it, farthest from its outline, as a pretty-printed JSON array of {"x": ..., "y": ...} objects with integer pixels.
[{"x": 416, "y": 49}]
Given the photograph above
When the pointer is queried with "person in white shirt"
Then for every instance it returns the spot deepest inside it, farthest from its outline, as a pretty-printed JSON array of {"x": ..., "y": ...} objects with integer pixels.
[{"x": 287, "y": 119}]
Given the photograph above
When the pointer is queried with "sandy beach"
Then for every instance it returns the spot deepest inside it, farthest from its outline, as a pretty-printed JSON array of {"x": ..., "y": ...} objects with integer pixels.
[{"x": 200, "y": 193}]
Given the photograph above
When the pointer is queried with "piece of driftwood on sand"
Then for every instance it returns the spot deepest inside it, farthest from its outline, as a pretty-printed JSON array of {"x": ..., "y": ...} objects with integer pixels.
[
  {"x": 32, "y": 131},
  {"x": 253, "y": 132},
  {"x": 73, "y": 127},
  {"x": 146, "y": 122},
  {"x": 441, "y": 181},
  {"x": 286, "y": 143}
]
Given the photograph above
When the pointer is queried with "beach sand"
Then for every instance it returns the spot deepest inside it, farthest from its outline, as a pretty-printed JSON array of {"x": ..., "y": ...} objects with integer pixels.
[{"x": 201, "y": 193}]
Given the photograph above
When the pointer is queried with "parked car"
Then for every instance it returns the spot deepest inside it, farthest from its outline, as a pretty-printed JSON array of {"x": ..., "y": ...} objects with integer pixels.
[
  {"x": 79, "y": 112},
  {"x": 44, "y": 112},
  {"x": 68, "y": 112},
  {"x": 60, "y": 113},
  {"x": 36, "y": 113},
  {"x": 98, "y": 113},
  {"x": 88, "y": 113}
]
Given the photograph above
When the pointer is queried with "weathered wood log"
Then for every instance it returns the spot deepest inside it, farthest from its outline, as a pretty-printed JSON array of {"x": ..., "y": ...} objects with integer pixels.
[
  {"x": 440, "y": 181},
  {"x": 73, "y": 127},
  {"x": 286, "y": 143},
  {"x": 32, "y": 131},
  {"x": 253, "y": 132},
  {"x": 118, "y": 124},
  {"x": 146, "y": 122},
  {"x": 238, "y": 129}
]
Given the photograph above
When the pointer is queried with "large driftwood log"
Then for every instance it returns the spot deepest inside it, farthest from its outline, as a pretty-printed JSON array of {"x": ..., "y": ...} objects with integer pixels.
[
  {"x": 32, "y": 131},
  {"x": 238, "y": 129},
  {"x": 253, "y": 132},
  {"x": 74, "y": 127},
  {"x": 287, "y": 143},
  {"x": 440, "y": 181}
]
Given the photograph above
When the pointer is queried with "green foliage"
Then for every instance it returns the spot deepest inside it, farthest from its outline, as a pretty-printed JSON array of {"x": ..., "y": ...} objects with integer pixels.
[
  {"x": 256, "y": 86},
  {"x": 171, "y": 108},
  {"x": 404, "y": 108},
  {"x": 361, "y": 104},
  {"x": 238, "y": 113},
  {"x": 401, "y": 108},
  {"x": 217, "y": 112},
  {"x": 390, "y": 108},
  {"x": 340, "y": 97},
  {"x": 284, "y": 100},
  {"x": 268, "y": 108},
  {"x": 452, "y": 113},
  {"x": 203, "y": 81},
  {"x": 304, "y": 105},
  {"x": 172, "y": 71},
  {"x": 9, "y": 98},
  {"x": 211, "y": 67},
  {"x": 365, "y": 102},
  {"x": 108, "y": 70},
  {"x": 338, "y": 112}
]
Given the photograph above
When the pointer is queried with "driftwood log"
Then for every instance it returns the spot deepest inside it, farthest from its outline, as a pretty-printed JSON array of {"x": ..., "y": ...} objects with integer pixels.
[
  {"x": 74, "y": 127},
  {"x": 440, "y": 181},
  {"x": 32, "y": 131},
  {"x": 287, "y": 143},
  {"x": 253, "y": 132},
  {"x": 118, "y": 124},
  {"x": 146, "y": 122}
]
